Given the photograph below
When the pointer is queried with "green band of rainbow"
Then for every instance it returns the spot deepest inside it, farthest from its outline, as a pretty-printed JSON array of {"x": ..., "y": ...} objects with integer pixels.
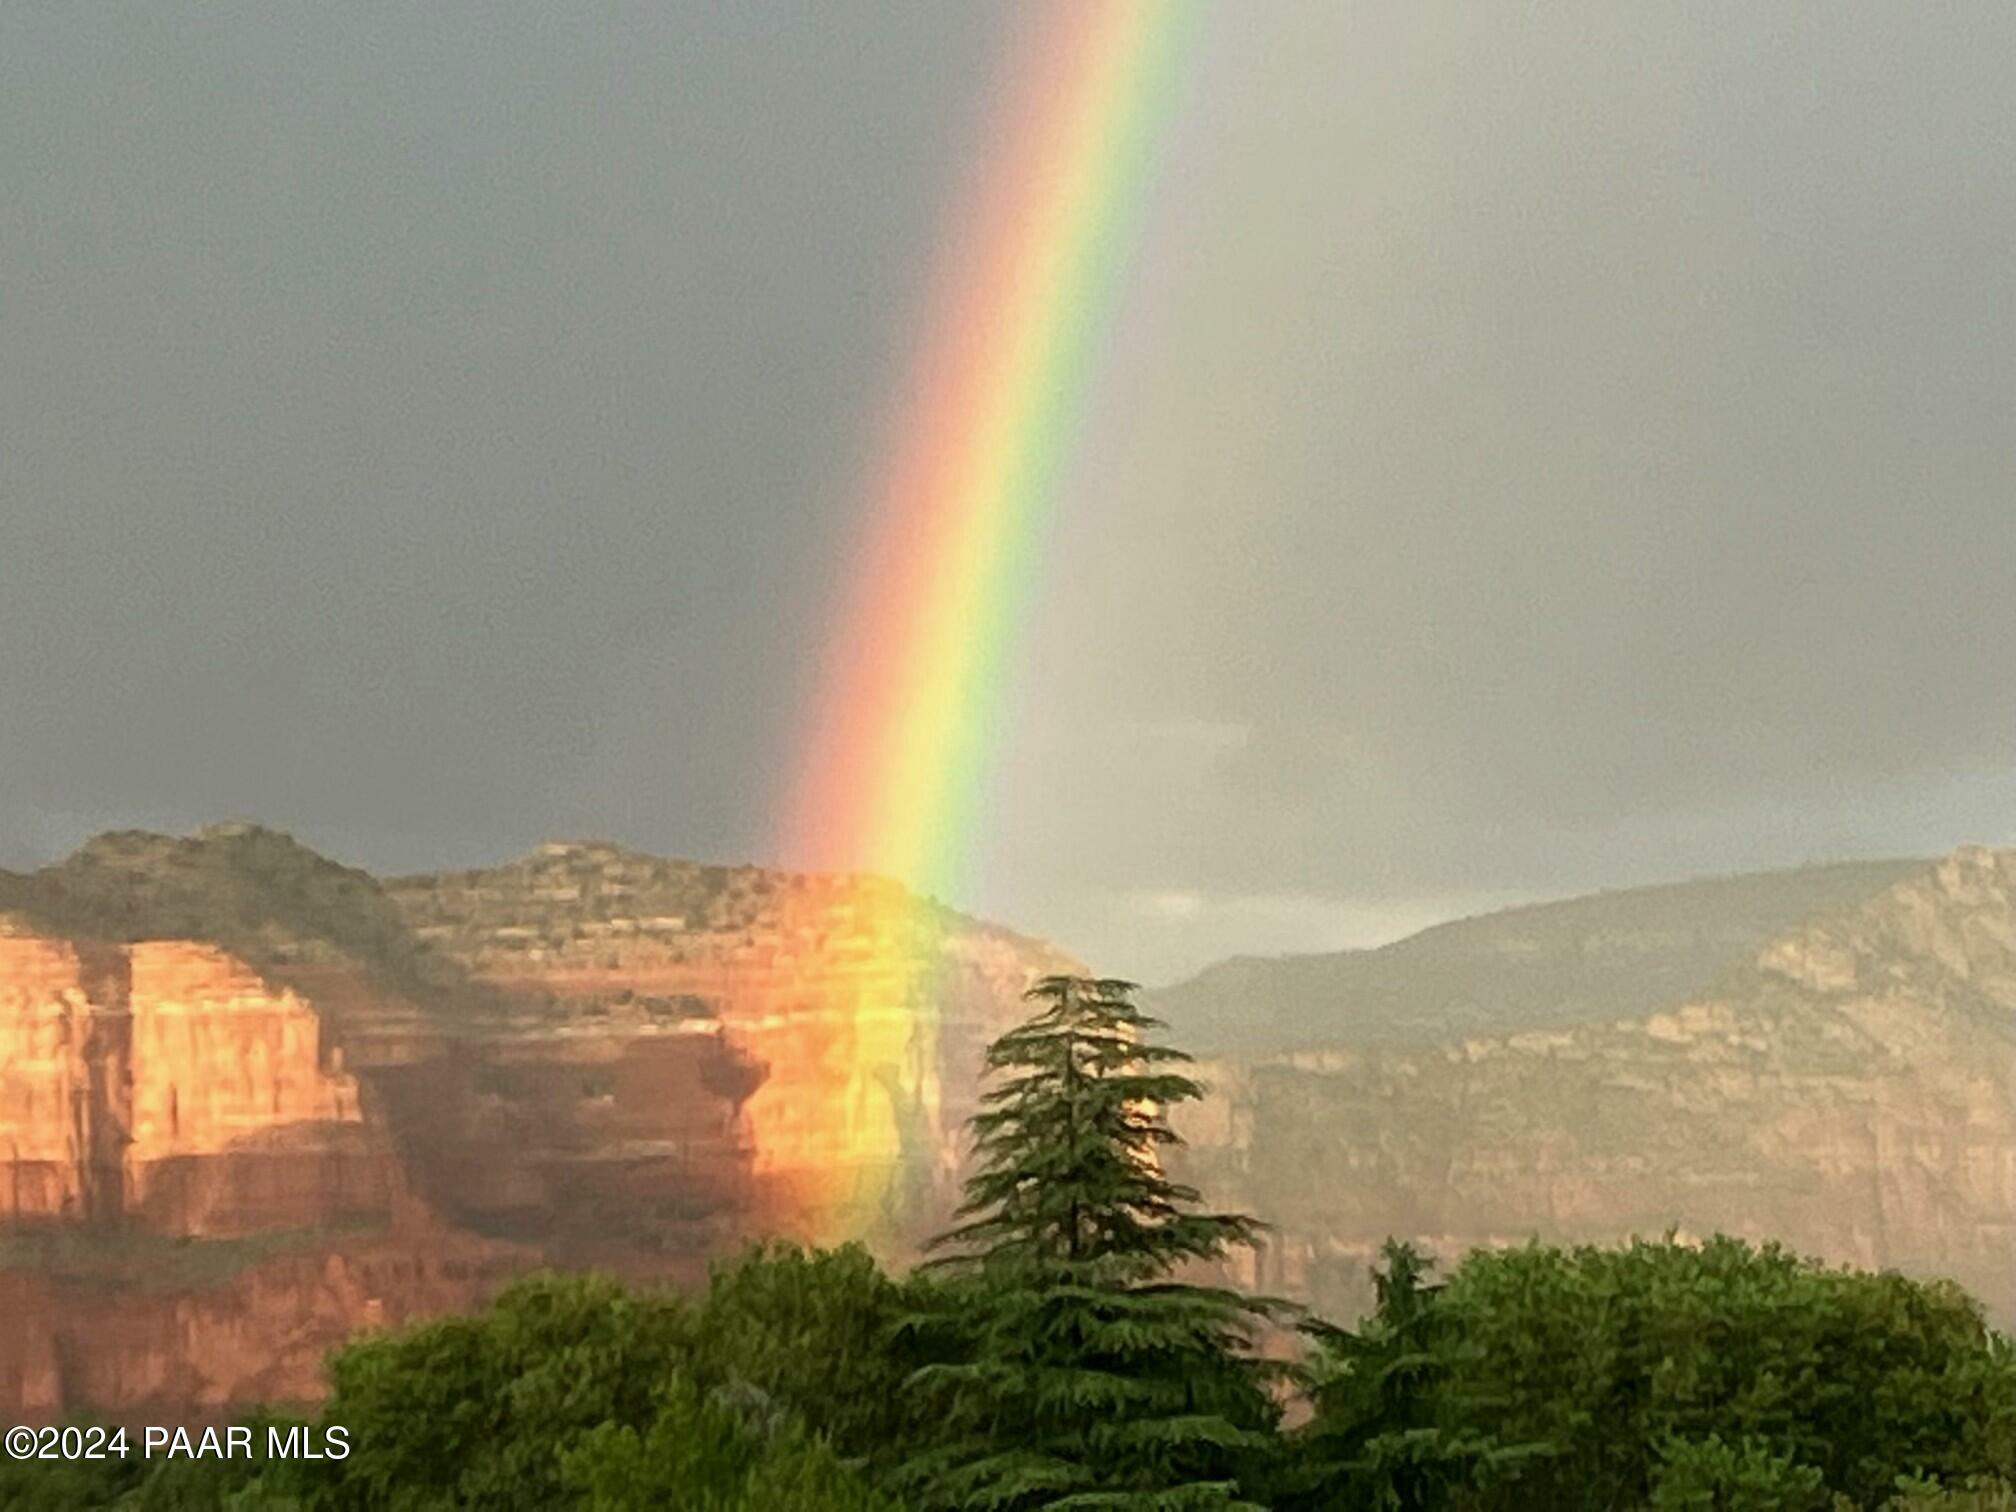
[
  {"x": 895, "y": 763},
  {"x": 911, "y": 687}
]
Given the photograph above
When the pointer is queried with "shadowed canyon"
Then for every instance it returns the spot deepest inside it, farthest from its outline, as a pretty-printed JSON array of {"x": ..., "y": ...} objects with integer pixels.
[{"x": 251, "y": 1100}]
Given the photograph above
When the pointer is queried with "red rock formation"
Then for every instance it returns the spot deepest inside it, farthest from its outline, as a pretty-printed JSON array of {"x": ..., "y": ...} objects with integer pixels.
[
  {"x": 216, "y": 1171},
  {"x": 237, "y": 1120},
  {"x": 155, "y": 1349},
  {"x": 165, "y": 1085},
  {"x": 837, "y": 1021},
  {"x": 45, "y": 1078}
]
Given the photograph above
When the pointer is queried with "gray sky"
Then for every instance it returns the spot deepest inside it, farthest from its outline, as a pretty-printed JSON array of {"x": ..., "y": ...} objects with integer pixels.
[{"x": 1537, "y": 447}]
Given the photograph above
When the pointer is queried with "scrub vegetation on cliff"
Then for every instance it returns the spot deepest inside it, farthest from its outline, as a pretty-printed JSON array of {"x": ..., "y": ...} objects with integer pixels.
[
  {"x": 1059, "y": 1355},
  {"x": 140, "y": 1259},
  {"x": 259, "y": 894}
]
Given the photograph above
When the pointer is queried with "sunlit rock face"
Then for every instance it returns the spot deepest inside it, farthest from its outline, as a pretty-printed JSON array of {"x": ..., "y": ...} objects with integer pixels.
[
  {"x": 236, "y": 1118},
  {"x": 46, "y": 1078},
  {"x": 1847, "y": 1086},
  {"x": 164, "y": 1085},
  {"x": 250, "y": 1100},
  {"x": 795, "y": 1054}
]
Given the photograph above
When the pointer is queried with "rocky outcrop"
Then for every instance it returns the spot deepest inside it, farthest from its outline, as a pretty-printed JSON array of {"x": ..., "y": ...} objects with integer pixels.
[
  {"x": 828, "y": 1029},
  {"x": 164, "y": 1085},
  {"x": 1848, "y": 1087},
  {"x": 250, "y": 1100},
  {"x": 235, "y": 1117},
  {"x": 47, "y": 1092}
]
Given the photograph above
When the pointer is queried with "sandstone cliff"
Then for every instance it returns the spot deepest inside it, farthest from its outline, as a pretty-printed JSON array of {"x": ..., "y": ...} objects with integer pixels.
[
  {"x": 797, "y": 1052},
  {"x": 1847, "y": 1085},
  {"x": 251, "y": 1100}
]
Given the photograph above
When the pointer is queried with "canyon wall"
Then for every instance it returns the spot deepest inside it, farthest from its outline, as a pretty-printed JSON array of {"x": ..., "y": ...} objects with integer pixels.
[
  {"x": 164, "y": 1084},
  {"x": 830, "y": 1027},
  {"x": 1847, "y": 1087},
  {"x": 251, "y": 1101}
]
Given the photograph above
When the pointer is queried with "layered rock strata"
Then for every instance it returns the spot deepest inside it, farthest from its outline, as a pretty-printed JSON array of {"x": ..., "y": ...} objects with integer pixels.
[
  {"x": 250, "y": 1101},
  {"x": 1849, "y": 1089},
  {"x": 164, "y": 1083}
]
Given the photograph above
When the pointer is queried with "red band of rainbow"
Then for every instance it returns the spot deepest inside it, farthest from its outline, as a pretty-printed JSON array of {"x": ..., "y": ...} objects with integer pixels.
[{"x": 909, "y": 692}]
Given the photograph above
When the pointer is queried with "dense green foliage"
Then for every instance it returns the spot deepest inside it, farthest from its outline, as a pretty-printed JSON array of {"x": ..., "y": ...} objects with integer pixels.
[
  {"x": 770, "y": 1391},
  {"x": 1375, "y": 1441},
  {"x": 1056, "y": 1356},
  {"x": 1080, "y": 1372},
  {"x": 1657, "y": 1374},
  {"x": 1658, "y": 1377}
]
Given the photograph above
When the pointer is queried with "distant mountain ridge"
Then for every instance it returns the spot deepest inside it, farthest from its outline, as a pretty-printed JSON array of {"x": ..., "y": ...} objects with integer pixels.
[
  {"x": 1537, "y": 966},
  {"x": 1826, "y": 1058}
]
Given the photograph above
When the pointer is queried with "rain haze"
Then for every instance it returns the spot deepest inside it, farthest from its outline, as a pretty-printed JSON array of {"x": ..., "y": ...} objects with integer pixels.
[{"x": 1534, "y": 449}]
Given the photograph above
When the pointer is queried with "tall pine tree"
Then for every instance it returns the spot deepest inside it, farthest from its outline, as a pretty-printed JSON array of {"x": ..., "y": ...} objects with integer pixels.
[{"x": 1082, "y": 1373}]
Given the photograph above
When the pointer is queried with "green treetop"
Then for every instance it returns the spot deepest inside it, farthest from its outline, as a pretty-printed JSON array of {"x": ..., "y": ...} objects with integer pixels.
[
  {"x": 1069, "y": 1142},
  {"x": 1080, "y": 1372}
]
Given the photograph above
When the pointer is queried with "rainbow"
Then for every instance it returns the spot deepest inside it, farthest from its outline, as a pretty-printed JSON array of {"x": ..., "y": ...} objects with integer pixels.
[
  {"x": 895, "y": 756},
  {"x": 910, "y": 686}
]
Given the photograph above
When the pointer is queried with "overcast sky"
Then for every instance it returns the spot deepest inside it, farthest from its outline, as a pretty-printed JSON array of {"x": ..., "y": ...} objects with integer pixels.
[{"x": 1538, "y": 447}]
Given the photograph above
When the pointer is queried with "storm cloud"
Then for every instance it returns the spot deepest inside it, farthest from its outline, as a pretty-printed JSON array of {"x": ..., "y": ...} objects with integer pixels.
[{"x": 1535, "y": 448}]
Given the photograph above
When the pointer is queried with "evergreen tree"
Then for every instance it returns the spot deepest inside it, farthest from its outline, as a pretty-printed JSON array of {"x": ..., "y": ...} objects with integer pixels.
[
  {"x": 1375, "y": 1441},
  {"x": 1083, "y": 1373}
]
